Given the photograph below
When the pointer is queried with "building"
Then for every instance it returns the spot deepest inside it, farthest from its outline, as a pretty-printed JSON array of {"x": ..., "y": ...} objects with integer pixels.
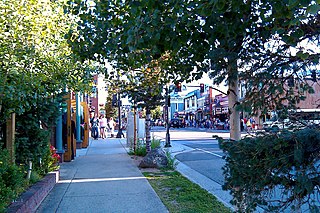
[{"x": 176, "y": 106}]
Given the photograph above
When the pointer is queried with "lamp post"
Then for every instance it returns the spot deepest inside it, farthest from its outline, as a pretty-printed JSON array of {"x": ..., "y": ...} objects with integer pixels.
[
  {"x": 119, "y": 134},
  {"x": 167, "y": 119}
]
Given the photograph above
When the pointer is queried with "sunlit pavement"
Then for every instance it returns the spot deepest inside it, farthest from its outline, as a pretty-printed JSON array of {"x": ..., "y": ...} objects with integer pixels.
[{"x": 102, "y": 178}]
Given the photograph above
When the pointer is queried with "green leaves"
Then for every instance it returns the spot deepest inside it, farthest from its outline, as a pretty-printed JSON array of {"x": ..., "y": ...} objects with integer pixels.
[
  {"x": 35, "y": 57},
  {"x": 286, "y": 162},
  {"x": 314, "y": 9}
]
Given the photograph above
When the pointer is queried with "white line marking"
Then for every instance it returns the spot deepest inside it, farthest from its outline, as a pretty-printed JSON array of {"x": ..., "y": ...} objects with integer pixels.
[{"x": 211, "y": 153}]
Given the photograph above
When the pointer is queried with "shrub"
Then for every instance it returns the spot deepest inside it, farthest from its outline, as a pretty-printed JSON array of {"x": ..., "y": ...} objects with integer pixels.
[
  {"x": 172, "y": 163},
  {"x": 32, "y": 144},
  {"x": 286, "y": 163},
  {"x": 141, "y": 147},
  {"x": 12, "y": 182}
]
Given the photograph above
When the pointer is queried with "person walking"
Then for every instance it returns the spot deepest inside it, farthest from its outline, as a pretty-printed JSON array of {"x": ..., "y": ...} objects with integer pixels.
[
  {"x": 111, "y": 124},
  {"x": 249, "y": 125},
  {"x": 103, "y": 122},
  {"x": 94, "y": 127}
]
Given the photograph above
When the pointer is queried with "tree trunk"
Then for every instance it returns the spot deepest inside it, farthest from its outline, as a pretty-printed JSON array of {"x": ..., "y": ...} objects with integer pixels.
[
  {"x": 10, "y": 136},
  {"x": 233, "y": 99},
  {"x": 148, "y": 136}
]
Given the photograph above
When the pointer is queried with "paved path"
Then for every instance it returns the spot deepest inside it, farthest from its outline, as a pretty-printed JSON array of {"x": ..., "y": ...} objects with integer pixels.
[{"x": 102, "y": 178}]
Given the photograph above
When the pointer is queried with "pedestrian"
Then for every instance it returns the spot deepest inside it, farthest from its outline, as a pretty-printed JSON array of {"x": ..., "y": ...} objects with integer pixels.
[
  {"x": 94, "y": 127},
  {"x": 111, "y": 126},
  {"x": 103, "y": 122},
  {"x": 249, "y": 125},
  {"x": 245, "y": 120}
]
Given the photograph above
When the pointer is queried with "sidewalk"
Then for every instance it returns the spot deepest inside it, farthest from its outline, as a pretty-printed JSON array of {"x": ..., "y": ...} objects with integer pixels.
[{"x": 102, "y": 178}]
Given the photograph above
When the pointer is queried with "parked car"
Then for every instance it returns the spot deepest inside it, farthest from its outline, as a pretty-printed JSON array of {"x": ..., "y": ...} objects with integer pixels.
[
  {"x": 275, "y": 126},
  {"x": 176, "y": 123},
  {"x": 160, "y": 122}
]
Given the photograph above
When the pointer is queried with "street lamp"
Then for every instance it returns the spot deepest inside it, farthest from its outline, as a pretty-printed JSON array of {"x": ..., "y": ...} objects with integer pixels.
[
  {"x": 119, "y": 134},
  {"x": 167, "y": 118}
]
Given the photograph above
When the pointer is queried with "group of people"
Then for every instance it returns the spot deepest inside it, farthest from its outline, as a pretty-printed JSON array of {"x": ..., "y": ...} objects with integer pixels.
[
  {"x": 248, "y": 124},
  {"x": 209, "y": 123},
  {"x": 101, "y": 125}
]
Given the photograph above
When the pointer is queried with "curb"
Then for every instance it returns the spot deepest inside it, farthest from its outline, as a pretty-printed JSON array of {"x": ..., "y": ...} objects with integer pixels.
[{"x": 30, "y": 200}]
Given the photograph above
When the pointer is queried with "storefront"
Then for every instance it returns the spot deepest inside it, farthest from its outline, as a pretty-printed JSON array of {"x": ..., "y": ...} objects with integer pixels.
[{"x": 220, "y": 106}]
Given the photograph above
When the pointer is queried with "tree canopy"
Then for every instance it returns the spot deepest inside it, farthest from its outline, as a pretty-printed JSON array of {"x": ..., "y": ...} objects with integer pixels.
[
  {"x": 260, "y": 44},
  {"x": 35, "y": 59},
  {"x": 265, "y": 39}
]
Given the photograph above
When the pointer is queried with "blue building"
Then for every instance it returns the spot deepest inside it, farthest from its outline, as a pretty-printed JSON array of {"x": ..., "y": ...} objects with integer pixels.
[{"x": 176, "y": 105}]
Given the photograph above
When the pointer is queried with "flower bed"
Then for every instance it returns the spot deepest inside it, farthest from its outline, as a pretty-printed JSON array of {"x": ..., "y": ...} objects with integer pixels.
[{"x": 30, "y": 200}]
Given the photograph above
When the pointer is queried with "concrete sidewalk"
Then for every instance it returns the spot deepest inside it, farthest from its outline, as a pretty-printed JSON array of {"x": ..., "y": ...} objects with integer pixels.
[{"x": 102, "y": 178}]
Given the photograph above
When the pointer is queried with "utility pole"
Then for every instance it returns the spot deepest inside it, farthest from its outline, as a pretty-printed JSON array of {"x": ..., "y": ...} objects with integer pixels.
[
  {"x": 167, "y": 119},
  {"x": 119, "y": 134}
]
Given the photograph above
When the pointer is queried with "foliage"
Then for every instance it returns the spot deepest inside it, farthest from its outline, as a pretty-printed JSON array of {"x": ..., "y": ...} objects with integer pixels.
[
  {"x": 261, "y": 41},
  {"x": 259, "y": 44},
  {"x": 172, "y": 163},
  {"x": 35, "y": 58},
  {"x": 144, "y": 88},
  {"x": 287, "y": 164},
  {"x": 181, "y": 195},
  {"x": 141, "y": 147},
  {"x": 54, "y": 159},
  {"x": 156, "y": 113},
  {"x": 33, "y": 133},
  {"x": 11, "y": 180}
]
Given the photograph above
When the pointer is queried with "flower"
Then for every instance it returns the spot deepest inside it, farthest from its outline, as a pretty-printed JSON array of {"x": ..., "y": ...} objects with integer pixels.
[
  {"x": 52, "y": 148},
  {"x": 56, "y": 157}
]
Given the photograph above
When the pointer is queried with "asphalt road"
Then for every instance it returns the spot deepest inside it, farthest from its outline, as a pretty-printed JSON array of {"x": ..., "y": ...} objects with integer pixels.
[{"x": 204, "y": 156}]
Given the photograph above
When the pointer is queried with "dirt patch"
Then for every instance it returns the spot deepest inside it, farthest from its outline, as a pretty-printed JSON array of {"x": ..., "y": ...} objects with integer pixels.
[{"x": 137, "y": 160}]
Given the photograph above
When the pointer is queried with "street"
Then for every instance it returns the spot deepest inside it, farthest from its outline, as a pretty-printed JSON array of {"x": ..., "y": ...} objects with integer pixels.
[{"x": 204, "y": 155}]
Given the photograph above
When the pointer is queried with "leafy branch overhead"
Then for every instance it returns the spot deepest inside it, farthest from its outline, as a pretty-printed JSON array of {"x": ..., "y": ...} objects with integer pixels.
[
  {"x": 264, "y": 42},
  {"x": 144, "y": 88},
  {"x": 288, "y": 167},
  {"x": 36, "y": 60}
]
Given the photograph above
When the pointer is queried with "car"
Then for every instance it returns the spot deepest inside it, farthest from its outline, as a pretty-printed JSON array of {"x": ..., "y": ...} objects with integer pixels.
[
  {"x": 271, "y": 126},
  {"x": 160, "y": 122},
  {"x": 176, "y": 123},
  {"x": 275, "y": 126}
]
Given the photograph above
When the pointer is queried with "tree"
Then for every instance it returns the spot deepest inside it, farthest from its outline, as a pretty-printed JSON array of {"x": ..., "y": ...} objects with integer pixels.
[
  {"x": 288, "y": 182},
  {"x": 36, "y": 66},
  {"x": 146, "y": 92},
  {"x": 35, "y": 57},
  {"x": 246, "y": 41}
]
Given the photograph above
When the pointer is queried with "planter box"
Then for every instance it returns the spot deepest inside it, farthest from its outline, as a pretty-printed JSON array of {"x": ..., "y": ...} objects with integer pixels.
[{"x": 30, "y": 200}]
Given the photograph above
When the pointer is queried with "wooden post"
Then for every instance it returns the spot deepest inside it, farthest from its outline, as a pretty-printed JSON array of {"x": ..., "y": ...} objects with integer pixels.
[
  {"x": 10, "y": 136},
  {"x": 68, "y": 152},
  {"x": 85, "y": 141}
]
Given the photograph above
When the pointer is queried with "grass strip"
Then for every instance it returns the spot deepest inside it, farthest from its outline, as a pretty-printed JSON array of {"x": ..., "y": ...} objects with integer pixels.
[{"x": 179, "y": 194}]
